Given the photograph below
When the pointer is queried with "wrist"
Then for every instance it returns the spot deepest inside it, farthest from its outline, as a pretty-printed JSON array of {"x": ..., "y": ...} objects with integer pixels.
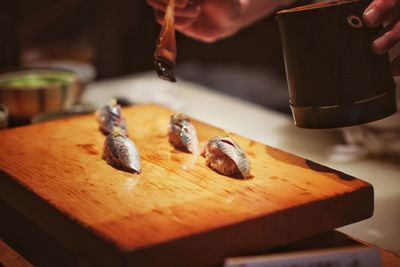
[
  {"x": 243, "y": 6},
  {"x": 251, "y": 11}
]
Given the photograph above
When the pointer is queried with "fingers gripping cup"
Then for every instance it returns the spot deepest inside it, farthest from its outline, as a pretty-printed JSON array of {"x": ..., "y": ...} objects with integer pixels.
[{"x": 334, "y": 78}]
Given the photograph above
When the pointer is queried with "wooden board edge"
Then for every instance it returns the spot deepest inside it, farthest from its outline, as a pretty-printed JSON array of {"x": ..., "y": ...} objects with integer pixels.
[
  {"x": 57, "y": 223},
  {"x": 227, "y": 241},
  {"x": 81, "y": 240}
]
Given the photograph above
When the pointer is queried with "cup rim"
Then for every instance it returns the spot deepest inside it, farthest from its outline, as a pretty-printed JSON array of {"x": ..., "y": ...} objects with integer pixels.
[{"x": 315, "y": 6}]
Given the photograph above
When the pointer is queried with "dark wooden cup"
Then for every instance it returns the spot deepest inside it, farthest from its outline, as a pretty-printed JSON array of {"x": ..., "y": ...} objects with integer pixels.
[{"x": 334, "y": 78}]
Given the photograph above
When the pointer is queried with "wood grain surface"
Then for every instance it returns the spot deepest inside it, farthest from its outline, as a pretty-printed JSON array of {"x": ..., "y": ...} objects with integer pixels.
[{"x": 177, "y": 212}]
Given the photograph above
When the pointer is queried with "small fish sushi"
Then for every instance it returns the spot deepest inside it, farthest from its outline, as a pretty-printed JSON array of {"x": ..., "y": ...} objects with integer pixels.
[
  {"x": 182, "y": 134},
  {"x": 110, "y": 116},
  {"x": 226, "y": 157},
  {"x": 121, "y": 152}
]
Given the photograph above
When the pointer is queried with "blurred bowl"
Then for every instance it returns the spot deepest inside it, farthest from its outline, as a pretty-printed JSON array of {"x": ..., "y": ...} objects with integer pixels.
[
  {"x": 3, "y": 116},
  {"x": 28, "y": 92}
]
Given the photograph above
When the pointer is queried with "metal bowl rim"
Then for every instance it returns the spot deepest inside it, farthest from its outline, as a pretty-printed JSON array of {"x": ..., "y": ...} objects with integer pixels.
[{"x": 12, "y": 73}]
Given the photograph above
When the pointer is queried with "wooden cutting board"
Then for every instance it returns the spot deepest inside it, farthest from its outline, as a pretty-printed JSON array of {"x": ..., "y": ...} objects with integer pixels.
[{"x": 177, "y": 212}]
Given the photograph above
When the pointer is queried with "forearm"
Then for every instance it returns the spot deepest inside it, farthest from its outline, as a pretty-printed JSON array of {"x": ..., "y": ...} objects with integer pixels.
[
  {"x": 212, "y": 20},
  {"x": 254, "y": 10}
]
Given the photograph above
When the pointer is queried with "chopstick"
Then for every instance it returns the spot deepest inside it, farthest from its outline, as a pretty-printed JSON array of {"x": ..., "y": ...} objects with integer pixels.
[{"x": 165, "y": 54}]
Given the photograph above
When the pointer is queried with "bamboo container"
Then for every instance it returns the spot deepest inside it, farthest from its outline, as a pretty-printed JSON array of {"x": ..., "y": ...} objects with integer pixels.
[{"x": 334, "y": 78}]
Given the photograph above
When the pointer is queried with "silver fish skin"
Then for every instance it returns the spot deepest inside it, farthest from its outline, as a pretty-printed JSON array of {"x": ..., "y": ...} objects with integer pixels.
[
  {"x": 182, "y": 133},
  {"x": 218, "y": 149},
  {"x": 110, "y": 117},
  {"x": 121, "y": 152}
]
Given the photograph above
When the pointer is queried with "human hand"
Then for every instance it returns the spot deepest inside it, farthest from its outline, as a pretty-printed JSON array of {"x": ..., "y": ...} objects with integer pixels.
[
  {"x": 387, "y": 12},
  {"x": 211, "y": 20},
  {"x": 207, "y": 21}
]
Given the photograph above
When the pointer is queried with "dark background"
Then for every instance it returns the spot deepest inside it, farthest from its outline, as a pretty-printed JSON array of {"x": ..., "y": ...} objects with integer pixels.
[{"x": 118, "y": 38}]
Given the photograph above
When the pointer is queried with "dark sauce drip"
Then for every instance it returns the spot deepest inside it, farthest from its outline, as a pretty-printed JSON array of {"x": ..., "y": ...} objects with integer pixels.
[{"x": 165, "y": 69}]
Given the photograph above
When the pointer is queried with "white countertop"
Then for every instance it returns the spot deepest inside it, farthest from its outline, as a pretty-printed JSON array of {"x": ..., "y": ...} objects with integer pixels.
[{"x": 274, "y": 129}]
